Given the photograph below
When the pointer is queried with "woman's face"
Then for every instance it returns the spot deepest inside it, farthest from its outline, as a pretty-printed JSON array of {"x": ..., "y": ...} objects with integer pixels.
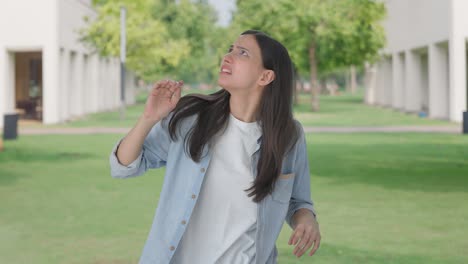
[{"x": 242, "y": 67}]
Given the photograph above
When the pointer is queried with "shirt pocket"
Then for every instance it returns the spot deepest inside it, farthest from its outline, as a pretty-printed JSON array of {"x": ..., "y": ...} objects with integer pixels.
[{"x": 283, "y": 188}]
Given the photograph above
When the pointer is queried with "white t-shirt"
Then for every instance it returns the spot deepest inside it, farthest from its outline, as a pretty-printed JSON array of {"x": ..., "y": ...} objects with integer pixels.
[{"x": 223, "y": 224}]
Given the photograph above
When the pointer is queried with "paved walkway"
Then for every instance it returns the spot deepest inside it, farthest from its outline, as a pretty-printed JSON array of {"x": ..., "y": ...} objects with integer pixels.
[{"x": 383, "y": 129}]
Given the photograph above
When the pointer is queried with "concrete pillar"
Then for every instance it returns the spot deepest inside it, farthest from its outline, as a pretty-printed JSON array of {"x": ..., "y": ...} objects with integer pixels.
[
  {"x": 424, "y": 81},
  {"x": 78, "y": 71},
  {"x": 370, "y": 84},
  {"x": 64, "y": 95},
  {"x": 387, "y": 82},
  {"x": 130, "y": 88},
  {"x": 412, "y": 85},
  {"x": 3, "y": 82},
  {"x": 100, "y": 88},
  {"x": 438, "y": 81},
  {"x": 51, "y": 84},
  {"x": 114, "y": 84},
  {"x": 7, "y": 83},
  {"x": 94, "y": 81},
  {"x": 380, "y": 83},
  {"x": 398, "y": 67},
  {"x": 103, "y": 88},
  {"x": 457, "y": 60},
  {"x": 86, "y": 95},
  {"x": 72, "y": 85}
]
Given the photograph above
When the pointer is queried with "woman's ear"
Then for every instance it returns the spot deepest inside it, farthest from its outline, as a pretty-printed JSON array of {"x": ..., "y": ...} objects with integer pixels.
[{"x": 266, "y": 78}]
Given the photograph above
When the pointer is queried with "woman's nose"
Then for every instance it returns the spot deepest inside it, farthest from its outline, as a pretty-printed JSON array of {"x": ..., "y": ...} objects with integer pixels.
[{"x": 228, "y": 57}]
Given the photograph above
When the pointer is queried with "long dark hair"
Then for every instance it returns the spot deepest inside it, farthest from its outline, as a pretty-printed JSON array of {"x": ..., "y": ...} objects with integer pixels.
[{"x": 279, "y": 131}]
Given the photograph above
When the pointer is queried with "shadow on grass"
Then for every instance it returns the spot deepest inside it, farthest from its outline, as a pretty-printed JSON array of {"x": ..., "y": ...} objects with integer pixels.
[
  {"x": 407, "y": 165},
  {"x": 33, "y": 155},
  {"x": 14, "y": 159},
  {"x": 337, "y": 254}
]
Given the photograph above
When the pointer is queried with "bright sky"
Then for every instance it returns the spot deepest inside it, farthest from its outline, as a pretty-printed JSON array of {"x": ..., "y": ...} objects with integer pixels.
[{"x": 224, "y": 8}]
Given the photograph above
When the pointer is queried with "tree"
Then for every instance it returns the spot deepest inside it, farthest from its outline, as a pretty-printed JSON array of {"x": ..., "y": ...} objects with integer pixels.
[
  {"x": 321, "y": 35},
  {"x": 150, "y": 50},
  {"x": 165, "y": 38},
  {"x": 194, "y": 22}
]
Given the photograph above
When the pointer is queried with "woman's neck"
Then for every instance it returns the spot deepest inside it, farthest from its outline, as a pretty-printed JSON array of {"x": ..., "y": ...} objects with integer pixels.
[{"x": 244, "y": 106}]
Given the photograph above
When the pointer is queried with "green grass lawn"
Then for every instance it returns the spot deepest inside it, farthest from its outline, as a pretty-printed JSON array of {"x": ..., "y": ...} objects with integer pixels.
[
  {"x": 349, "y": 110},
  {"x": 381, "y": 198},
  {"x": 343, "y": 110}
]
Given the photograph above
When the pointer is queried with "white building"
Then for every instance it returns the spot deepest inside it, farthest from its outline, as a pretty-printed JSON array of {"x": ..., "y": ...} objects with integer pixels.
[
  {"x": 45, "y": 72},
  {"x": 424, "y": 65}
]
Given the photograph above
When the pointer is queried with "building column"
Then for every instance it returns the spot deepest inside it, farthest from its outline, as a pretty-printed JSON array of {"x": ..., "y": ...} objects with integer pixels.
[
  {"x": 64, "y": 106},
  {"x": 3, "y": 82},
  {"x": 370, "y": 83},
  {"x": 398, "y": 81},
  {"x": 424, "y": 81},
  {"x": 380, "y": 82},
  {"x": 94, "y": 82},
  {"x": 115, "y": 82},
  {"x": 438, "y": 82},
  {"x": 129, "y": 87},
  {"x": 388, "y": 82},
  {"x": 457, "y": 61},
  {"x": 457, "y": 94},
  {"x": 86, "y": 94},
  {"x": 7, "y": 83},
  {"x": 78, "y": 71},
  {"x": 102, "y": 99},
  {"x": 412, "y": 82},
  {"x": 72, "y": 87},
  {"x": 51, "y": 84}
]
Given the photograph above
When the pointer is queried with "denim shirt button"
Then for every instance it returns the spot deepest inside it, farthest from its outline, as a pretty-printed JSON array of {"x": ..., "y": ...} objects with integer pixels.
[
  {"x": 193, "y": 196},
  {"x": 202, "y": 170},
  {"x": 172, "y": 248},
  {"x": 183, "y": 222}
]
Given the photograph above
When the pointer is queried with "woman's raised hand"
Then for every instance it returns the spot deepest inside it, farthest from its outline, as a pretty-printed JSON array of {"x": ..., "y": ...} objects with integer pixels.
[{"x": 162, "y": 100}]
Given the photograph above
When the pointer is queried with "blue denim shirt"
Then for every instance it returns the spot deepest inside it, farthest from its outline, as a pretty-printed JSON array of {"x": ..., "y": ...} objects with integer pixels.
[{"x": 181, "y": 188}]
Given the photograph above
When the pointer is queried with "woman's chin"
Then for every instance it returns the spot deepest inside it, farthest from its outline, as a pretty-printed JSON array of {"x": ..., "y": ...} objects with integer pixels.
[{"x": 223, "y": 84}]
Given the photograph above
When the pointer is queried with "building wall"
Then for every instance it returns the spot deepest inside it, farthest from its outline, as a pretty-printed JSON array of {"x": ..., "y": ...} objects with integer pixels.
[
  {"x": 415, "y": 23},
  {"x": 75, "y": 80},
  {"x": 26, "y": 25},
  {"x": 427, "y": 41}
]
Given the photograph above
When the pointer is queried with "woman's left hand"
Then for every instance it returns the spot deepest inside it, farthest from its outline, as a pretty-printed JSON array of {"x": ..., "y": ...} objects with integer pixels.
[{"x": 306, "y": 233}]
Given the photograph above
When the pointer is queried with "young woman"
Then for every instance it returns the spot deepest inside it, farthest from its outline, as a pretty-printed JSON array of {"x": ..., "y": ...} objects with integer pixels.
[{"x": 236, "y": 162}]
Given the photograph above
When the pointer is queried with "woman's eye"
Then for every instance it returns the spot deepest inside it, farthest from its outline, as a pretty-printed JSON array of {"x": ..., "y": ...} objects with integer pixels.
[{"x": 243, "y": 52}]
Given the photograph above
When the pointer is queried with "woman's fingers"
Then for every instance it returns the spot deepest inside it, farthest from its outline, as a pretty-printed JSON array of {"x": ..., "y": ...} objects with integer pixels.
[
  {"x": 303, "y": 249},
  {"x": 166, "y": 88},
  {"x": 303, "y": 238},
  {"x": 316, "y": 245},
  {"x": 296, "y": 235},
  {"x": 177, "y": 94},
  {"x": 302, "y": 246}
]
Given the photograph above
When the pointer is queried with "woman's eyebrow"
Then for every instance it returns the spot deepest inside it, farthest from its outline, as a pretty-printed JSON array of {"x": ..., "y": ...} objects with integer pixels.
[{"x": 240, "y": 47}]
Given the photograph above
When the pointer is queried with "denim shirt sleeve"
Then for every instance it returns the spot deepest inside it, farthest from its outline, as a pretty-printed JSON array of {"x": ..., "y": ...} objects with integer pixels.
[
  {"x": 153, "y": 154},
  {"x": 300, "y": 197}
]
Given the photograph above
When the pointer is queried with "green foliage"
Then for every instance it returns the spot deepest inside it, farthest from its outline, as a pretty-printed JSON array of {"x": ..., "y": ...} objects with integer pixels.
[
  {"x": 194, "y": 22},
  {"x": 164, "y": 38},
  {"x": 344, "y": 32}
]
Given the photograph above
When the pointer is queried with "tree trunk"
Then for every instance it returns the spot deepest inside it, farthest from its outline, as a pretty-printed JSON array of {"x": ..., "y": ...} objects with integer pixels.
[
  {"x": 314, "y": 90},
  {"x": 353, "y": 80},
  {"x": 295, "y": 93},
  {"x": 295, "y": 87},
  {"x": 348, "y": 81}
]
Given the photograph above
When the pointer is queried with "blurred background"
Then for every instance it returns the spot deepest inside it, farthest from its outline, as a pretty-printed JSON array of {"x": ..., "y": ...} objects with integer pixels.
[{"x": 381, "y": 90}]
